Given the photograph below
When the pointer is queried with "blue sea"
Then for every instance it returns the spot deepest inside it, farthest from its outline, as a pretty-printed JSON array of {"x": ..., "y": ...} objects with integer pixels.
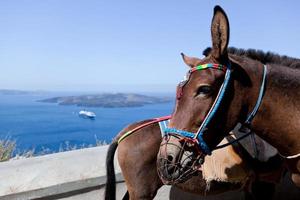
[{"x": 50, "y": 127}]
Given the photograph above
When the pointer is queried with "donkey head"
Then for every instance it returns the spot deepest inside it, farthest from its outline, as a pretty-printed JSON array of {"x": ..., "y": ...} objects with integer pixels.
[{"x": 186, "y": 141}]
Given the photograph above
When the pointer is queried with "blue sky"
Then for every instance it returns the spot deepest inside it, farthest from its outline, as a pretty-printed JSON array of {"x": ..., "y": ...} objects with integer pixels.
[{"x": 132, "y": 45}]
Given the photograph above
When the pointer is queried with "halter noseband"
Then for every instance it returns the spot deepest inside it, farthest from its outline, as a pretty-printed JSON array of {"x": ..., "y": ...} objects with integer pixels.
[{"x": 198, "y": 136}]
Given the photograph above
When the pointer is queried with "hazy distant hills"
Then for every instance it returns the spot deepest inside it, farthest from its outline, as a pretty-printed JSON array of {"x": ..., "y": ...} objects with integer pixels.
[
  {"x": 18, "y": 92},
  {"x": 107, "y": 100}
]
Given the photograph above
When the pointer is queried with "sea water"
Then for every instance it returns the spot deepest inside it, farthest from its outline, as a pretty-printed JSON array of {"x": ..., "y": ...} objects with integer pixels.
[{"x": 46, "y": 126}]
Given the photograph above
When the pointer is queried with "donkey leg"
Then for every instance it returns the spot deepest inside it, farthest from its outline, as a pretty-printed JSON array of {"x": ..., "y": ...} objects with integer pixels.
[
  {"x": 142, "y": 195},
  {"x": 145, "y": 185},
  {"x": 139, "y": 172}
]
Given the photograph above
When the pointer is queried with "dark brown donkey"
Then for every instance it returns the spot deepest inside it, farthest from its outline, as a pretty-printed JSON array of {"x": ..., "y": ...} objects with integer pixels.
[
  {"x": 225, "y": 89},
  {"x": 137, "y": 155}
]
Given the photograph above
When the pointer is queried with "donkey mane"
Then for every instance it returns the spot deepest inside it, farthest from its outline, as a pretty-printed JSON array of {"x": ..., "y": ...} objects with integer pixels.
[{"x": 264, "y": 57}]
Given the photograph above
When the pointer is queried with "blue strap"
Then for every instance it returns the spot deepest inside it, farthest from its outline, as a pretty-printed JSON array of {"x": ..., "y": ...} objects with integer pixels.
[
  {"x": 180, "y": 132},
  {"x": 163, "y": 125},
  {"x": 216, "y": 105},
  {"x": 259, "y": 99},
  {"x": 212, "y": 111},
  {"x": 202, "y": 144}
]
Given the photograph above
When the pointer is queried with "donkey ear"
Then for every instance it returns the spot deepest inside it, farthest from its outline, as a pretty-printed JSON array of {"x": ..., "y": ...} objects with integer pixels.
[
  {"x": 190, "y": 61},
  {"x": 219, "y": 34}
]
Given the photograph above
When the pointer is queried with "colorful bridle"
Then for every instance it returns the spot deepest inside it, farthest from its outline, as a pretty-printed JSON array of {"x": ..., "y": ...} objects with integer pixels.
[
  {"x": 198, "y": 136},
  {"x": 202, "y": 67}
]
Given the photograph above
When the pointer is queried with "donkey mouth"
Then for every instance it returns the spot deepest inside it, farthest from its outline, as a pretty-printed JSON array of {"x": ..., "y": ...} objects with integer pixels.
[
  {"x": 177, "y": 160},
  {"x": 171, "y": 173}
]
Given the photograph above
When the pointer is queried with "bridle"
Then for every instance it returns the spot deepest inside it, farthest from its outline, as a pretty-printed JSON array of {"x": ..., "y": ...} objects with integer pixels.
[{"x": 197, "y": 138}]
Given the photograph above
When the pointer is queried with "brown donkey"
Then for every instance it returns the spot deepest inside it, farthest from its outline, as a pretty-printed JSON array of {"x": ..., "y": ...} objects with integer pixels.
[
  {"x": 230, "y": 168},
  {"x": 225, "y": 89}
]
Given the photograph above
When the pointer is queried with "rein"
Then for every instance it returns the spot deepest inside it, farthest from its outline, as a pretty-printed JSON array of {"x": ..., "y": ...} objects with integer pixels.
[
  {"x": 154, "y": 120},
  {"x": 198, "y": 136}
]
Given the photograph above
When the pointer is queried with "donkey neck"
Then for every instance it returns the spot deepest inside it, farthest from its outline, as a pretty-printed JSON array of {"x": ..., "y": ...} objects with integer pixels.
[{"x": 278, "y": 118}]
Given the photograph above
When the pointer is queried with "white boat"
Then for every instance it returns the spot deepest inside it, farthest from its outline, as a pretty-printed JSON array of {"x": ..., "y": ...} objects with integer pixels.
[{"x": 87, "y": 114}]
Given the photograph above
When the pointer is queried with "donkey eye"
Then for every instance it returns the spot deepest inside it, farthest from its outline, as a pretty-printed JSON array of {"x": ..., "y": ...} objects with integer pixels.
[{"x": 204, "y": 90}]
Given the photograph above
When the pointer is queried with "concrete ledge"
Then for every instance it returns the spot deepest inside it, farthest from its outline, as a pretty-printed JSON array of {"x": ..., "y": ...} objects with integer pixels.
[
  {"x": 54, "y": 175},
  {"x": 73, "y": 175},
  {"x": 63, "y": 190}
]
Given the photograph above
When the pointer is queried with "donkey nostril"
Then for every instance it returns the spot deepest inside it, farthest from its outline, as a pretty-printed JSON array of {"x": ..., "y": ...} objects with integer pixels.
[{"x": 170, "y": 158}]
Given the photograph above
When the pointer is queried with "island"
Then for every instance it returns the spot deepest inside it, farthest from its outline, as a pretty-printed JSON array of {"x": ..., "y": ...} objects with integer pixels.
[{"x": 107, "y": 100}]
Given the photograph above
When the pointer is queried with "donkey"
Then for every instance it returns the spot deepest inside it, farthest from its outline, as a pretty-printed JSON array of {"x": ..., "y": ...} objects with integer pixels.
[
  {"x": 225, "y": 89},
  {"x": 138, "y": 145}
]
